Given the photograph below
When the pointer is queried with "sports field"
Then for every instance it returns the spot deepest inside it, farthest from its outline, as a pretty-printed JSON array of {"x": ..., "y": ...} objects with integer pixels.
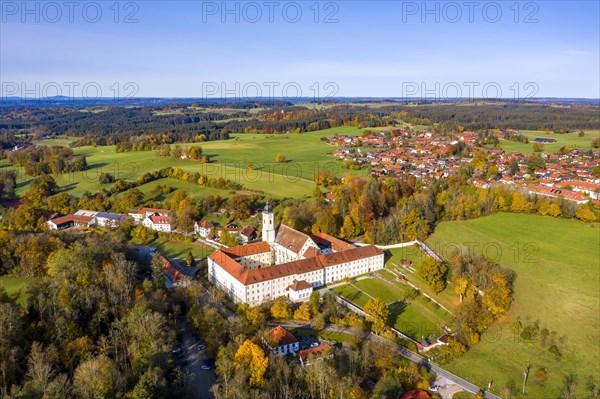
[{"x": 557, "y": 265}]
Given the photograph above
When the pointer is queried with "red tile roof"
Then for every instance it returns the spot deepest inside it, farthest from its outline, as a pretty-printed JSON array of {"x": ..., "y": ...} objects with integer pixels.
[
  {"x": 161, "y": 219},
  {"x": 415, "y": 394},
  {"x": 205, "y": 224},
  {"x": 155, "y": 210},
  {"x": 247, "y": 250},
  {"x": 171, "y": 272},
  {"x": 317, "y": 352},
  {"x": 299, "y": 285},
  {"x": 225, "y": 259},
  {"x": 281, "y": 336},
  {"x": 335, "y": 243}
]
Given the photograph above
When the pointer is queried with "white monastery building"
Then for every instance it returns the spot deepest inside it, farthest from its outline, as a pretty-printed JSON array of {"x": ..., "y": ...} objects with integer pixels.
[{"x": 287, "y": 263}]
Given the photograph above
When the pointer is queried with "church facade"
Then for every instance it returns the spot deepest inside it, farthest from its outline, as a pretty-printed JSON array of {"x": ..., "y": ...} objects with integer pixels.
[{"x": 287, "y": 263}]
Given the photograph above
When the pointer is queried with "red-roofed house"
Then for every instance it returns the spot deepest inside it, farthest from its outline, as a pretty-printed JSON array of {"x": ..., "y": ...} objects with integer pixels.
[
  {"x": 299, "y": 291},
  {"x": 158, "y": 223},
  {"x": 311, "y": 355},
  {"x": 174, "y": 277},
  {"x": 282, "y": 342},
  {"x": 203, "y": 228}
]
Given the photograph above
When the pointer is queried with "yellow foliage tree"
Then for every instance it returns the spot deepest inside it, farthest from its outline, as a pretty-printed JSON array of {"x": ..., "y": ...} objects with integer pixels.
[
  {"x": 380, "y": 313},
  {"x": 280, "y": 310},
  {"x": 302, "y": 313},
  {"x": 251, "y": 358},
  {"x": 520, "y": 203},
  {"x": 585, "y": 214}
]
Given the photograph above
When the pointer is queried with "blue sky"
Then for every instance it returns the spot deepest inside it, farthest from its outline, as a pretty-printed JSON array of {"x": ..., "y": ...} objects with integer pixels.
[{"x": 380, "y": 49}]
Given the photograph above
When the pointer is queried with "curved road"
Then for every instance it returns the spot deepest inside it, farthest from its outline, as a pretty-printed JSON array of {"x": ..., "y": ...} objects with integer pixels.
[{"x": 413, "y": 357}]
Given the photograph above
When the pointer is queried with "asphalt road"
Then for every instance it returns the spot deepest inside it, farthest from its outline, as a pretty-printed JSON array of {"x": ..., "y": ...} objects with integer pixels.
[{"x": 201, "y": 380}]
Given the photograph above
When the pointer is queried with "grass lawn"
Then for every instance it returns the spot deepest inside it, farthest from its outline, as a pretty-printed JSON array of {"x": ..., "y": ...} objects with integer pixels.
[
  {"x": 557, "y": 283},
  {"x": 334, "y": 337},
  {"x": 387, "y": 292},
  {"x": 352, "y": 294},
  {"x": 570, "y": 140},
  {"x": 16, "y": 284},
  {"x": 394, "y": 258},
  {"x": 177, "y": 249},
  {"x": 404, "y": 317},
  {"x": 416, "y": 317}
]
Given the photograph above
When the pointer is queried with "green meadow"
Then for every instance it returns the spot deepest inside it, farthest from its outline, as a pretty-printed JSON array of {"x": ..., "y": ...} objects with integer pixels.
[
  {"x": 557, "y": 285},
  {"x": 305, "y": 154},
  {"x": 14, "y": 285},
  {"x": 570, "y": 140}
]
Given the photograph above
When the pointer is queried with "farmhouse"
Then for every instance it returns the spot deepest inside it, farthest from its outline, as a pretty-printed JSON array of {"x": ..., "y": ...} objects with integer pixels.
[{"x": 287, "y": 263}]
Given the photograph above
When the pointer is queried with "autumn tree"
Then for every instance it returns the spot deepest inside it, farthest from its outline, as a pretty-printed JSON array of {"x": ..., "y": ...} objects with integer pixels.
[
  {"x": 379, "y": 312},
  {"x": 520, "y": 203},
  {"x": 434, "y": 273},
  {"x": 252, "y": 360},
  {"x": 280, "y": 158},
  {"x": 189, "y": 259},
  {"x": 585, "y": 214},
  {"x": 302, "y": 313},
  {"x": 280, "y": 310},
  {"x": 132, "y": 198},
  {"x": 95, "y": 378}
]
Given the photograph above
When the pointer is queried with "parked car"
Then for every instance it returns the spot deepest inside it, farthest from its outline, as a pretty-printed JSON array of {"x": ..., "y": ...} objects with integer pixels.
[
  {"x": 314, "y": 344},
  {"x": 205, "y": 367},
  {"x": 177, "y": 351},
  {"x": 201, "y": 347}
]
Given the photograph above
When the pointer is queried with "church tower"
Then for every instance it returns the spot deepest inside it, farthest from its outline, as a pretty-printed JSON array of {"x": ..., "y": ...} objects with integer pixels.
[{"x": 268, "y": 224}]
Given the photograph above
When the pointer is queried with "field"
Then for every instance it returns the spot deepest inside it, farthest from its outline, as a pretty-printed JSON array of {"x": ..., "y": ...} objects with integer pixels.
[
  {"x": 570, "y": 140},
  {"x": 305, "y": 154},
  {"x": 557, "y": 284},
  {"x": 16, "y": 284},
  {"x": 412, "y": 314}
]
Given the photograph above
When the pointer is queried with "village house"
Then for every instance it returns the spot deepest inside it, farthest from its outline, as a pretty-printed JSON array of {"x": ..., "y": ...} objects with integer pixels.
[
  {"x": 247, "y": 234},
  {"x": 203, "y": 228},
  {"x": 280, "y": 341},
  {"x": 158, "y": 223},
  {"x": 173, "y": 276}
]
